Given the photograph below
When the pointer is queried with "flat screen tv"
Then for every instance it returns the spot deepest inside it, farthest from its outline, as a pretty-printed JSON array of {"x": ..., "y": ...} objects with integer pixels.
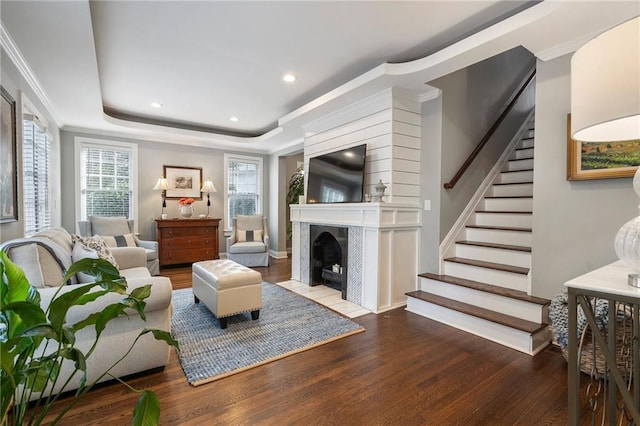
[{"x": 337, "y": 177}]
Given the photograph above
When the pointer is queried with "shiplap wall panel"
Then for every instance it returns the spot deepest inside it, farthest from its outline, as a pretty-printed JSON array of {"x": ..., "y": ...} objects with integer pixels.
[{"x": 390, "y": 127}]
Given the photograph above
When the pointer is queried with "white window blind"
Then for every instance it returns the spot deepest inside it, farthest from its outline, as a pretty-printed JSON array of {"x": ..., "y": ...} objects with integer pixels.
[
  {"x": 243, "y": 186},
  {"x": 106, "y": 181},
  {"x": 36, "y": 151}
]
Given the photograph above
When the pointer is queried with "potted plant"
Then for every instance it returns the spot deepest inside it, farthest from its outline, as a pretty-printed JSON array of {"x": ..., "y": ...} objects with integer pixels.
[
  {"x": 296, "y": 189},
  {"x": 34, "y": 342}
]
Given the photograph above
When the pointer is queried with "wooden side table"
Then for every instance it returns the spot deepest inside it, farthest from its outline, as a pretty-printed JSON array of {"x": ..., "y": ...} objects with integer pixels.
[{"x": 183, "y": 241}]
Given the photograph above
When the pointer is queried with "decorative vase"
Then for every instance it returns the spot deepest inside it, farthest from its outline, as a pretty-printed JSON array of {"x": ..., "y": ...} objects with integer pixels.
[
  {"x": 380, "y": 187},
  {"x": 627, "y": 241},
  {"x": 186, "y": 210}
]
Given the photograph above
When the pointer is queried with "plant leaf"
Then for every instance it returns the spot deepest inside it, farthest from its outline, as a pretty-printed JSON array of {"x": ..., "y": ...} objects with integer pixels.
[
  {"x": 75, "y": 355},
  {"x": 147, "y": 410},
  {"x": 141, "y": 293},
  {"x": 162, "y": 335},
  {"x": 59, "y": 307}
]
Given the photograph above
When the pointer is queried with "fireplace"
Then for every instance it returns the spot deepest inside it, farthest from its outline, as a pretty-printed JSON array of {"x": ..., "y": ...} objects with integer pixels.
[{"x": 329, "y": 251}]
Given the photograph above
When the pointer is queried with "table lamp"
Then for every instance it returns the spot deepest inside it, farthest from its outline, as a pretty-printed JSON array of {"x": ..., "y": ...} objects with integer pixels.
[
  {"x": 162, "y": 185},
  {"x": 208, "y": 188}
]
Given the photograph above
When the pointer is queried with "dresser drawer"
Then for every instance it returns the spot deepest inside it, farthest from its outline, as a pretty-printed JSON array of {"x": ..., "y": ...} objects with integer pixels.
[
  {"x": 193, "y": 241},
  {"x": 187, "y": 232},
  {"x": 188, "y": 255}
]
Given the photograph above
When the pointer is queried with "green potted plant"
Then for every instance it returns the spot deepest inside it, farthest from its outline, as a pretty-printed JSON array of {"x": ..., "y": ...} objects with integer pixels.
[
  {"x": 296, "y": 189},
  {"x": 34, "y": 342}
]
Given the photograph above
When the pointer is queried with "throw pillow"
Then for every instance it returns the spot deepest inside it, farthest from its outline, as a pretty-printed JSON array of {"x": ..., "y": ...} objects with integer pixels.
[
  {"x": 98, "y": 244},
  {"x": 80, "y": 251},
  {"x": 102, "y": 225},
  {"x": 126, "y": 240},
  {"x": 249, "y": 235},
  {"x": 26, "y": 257}
]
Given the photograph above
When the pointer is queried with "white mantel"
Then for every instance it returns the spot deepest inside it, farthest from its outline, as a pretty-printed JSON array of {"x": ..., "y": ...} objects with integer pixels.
[{"x": 383, "y": 248}]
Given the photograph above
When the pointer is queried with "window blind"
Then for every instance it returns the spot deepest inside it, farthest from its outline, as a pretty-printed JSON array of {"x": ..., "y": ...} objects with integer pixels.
[
  {"x": 36, "y": 151},
  {"x": 243, "y": 191}
]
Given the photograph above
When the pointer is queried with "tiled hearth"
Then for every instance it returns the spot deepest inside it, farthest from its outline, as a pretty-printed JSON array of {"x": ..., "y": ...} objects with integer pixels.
[{"x": 326, "y": 296}]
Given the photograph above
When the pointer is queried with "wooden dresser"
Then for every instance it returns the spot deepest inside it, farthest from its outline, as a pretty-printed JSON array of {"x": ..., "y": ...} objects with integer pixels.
[{"x": 186, "y": 240}]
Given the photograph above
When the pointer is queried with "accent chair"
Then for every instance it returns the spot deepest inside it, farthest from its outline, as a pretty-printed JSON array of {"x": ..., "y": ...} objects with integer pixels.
[{"x": 248, "y": 244}]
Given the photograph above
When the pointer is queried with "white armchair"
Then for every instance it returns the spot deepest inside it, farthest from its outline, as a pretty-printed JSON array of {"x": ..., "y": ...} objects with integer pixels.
[
  {"x": 248, "y": 244},
  {"x": 120, "y": 227}
]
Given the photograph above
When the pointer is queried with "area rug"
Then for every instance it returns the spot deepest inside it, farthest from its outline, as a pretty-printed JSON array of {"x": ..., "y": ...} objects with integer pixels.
[{"x": 288, "y": 324}]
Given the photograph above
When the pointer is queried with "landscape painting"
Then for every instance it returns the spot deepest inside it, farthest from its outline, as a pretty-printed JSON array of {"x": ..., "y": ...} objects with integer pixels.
[{"x": 601, "y": 160}]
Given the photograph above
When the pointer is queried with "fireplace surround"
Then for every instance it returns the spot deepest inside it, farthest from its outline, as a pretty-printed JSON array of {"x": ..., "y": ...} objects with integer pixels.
[{"x": 382, "y": 241}]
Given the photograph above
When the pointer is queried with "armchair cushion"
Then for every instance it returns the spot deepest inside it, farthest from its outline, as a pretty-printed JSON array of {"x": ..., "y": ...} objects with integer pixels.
[
  {"x": 248, "y": 247},
  {"x": 109, "y": 225},
  {"x": 249, "y": 235}
]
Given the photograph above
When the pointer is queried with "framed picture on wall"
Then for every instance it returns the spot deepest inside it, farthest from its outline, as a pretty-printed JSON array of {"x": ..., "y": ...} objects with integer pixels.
[
  {"x": 8, "y": 164},
  {"x": 184, "y": 182},
  {"x": 601, "y": 160}
]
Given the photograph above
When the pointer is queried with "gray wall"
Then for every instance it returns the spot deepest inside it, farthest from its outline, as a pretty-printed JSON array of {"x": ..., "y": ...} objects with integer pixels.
[
  {"x": 574, "y": 222},
  {"x": 151, "y": 158},
  {"x": 431, "y": 184},
  {"x": 291, "y": 165},
  {"x": 472, "y": 100},
  {"x": 12, "y": 81}
]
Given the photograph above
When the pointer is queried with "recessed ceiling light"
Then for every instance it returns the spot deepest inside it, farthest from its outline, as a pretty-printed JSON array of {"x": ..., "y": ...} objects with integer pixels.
[
  {"x": 156, "y": 104},
  {"x": 289, "y": 78},
  {"x": 234, "y": 118}
]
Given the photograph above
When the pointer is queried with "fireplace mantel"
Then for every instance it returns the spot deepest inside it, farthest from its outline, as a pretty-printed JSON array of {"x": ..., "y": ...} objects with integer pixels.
[{"x": 385, "y": 247}]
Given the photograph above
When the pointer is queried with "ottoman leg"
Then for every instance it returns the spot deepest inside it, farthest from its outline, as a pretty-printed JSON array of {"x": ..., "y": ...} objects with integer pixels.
[
  {"x": 255, "y": 314},
  {"x": 195, "y": 299},
  {"x": 223, "y": 322}
]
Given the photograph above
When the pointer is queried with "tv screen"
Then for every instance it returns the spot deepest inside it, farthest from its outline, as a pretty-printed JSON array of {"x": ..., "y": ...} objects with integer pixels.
[{"x": 337, "y": 177}]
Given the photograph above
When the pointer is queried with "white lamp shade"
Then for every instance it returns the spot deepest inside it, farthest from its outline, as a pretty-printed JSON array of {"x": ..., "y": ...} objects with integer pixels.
[
  {"x": 162, "y": 184},
  {"x": 605, "y": 86},
  {"x": 208, "y": 186}
]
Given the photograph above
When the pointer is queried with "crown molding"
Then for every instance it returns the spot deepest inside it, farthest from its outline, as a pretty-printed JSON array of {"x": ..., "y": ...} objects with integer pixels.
[
  {"x": 565, "y": 48},
  {"x": 25, "y": 71},
  {"x": 430, "y": 95}
]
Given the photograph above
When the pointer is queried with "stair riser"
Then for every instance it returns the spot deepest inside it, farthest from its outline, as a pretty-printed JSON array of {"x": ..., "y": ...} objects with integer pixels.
[
  {"x": 515, "y": 339},
  {"x": 504, "y": 279},
  {"x": 503, "y": 219},
  {"x": 527, "y": 143},
  {"x": 521, "y": 153},
  {"x": 496, "y": 236},
  {"x": 487, "y": 254},
  {"x": 508, "y": 204},
  {"x": 504, "y": 305},
  {"x": 526, "y": 176},
  {"x": 515, "y": 190},
  {"x": 520, "y": 164}
]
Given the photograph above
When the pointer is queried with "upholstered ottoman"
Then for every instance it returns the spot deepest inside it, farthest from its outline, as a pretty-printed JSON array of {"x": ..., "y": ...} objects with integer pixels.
[{"x": 227, "y": 288}]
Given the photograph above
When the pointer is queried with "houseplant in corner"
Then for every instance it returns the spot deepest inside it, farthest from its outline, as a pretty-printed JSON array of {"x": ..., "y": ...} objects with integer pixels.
[
  {"x": 34, "y": 342},
  {"x": 296, "y": 189}
]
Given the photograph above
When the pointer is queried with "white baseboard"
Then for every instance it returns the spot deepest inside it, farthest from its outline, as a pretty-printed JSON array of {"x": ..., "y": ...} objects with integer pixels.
[{"x": 278, "y": 254}]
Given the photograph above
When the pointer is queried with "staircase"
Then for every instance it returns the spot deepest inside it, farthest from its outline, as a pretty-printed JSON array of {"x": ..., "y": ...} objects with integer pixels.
[{"x": 484, "y": 287}]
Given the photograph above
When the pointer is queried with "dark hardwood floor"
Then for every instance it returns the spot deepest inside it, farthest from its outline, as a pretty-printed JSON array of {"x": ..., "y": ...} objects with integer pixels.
[{"x": 403, "y": 370}]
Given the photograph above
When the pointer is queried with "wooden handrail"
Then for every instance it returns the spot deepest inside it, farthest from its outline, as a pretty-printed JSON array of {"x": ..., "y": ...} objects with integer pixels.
[{"x": 487, "y": 136}]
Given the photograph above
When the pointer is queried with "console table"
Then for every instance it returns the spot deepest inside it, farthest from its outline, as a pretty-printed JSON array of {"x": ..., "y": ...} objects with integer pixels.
[
  {"x": 608, "y": 283},
  {"x": 187, "y": 240}
]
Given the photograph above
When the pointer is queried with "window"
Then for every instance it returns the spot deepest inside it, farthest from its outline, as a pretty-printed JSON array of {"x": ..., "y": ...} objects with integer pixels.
[
  {"x": 244, "y": 186},
  {"x": 107, "y": 183},
  {"x": 36, "y": 152}
]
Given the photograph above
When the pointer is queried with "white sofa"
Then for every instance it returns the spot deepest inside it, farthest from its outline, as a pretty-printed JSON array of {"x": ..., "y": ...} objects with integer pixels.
[{"x": 46, "y": 255}]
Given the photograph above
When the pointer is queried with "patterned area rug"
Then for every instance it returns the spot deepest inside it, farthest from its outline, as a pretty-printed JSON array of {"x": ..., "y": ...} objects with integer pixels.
[{"x": 288, "y": 324}]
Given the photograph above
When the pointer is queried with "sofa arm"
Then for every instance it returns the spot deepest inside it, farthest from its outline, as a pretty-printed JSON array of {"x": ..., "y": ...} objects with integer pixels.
[
  {"x": 129, "y": 257},
  {"x": 151, "y": 245},
  {"x": 266, "y": 241},
  {"x": 159, "y": 299},
  {"x": 231, "y": 241}
]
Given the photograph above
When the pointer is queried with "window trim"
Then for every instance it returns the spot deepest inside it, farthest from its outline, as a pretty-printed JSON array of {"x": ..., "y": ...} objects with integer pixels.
[
  {"x": 244, "y": 158},
  {"x": 79, "y": 143}
]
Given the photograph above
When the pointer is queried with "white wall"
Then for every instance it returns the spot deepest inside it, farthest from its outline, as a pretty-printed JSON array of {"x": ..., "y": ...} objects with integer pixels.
[
  {"x": 18, "y": 87},
  {"x": 389, "y": 124},
  {"x": 574, "y": 222},
  {"x": 151, "y": 158}
]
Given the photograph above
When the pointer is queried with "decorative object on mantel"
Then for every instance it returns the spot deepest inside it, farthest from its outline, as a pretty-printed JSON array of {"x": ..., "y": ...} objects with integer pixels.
[
  {"x": 378, "y": 196},
  {"x": 208, "y": 188},
  {"x": 605, "y": 106},
  {"x": 162, "y": 185},
  {"x": 186, "y": 207}
]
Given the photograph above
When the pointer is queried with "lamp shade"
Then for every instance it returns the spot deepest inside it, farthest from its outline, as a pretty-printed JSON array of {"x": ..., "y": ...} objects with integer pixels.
[
  {"x": 605, "y": 86},
  {"x": 161, "y": 185},
  {"x": 208, "y": 186}
]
